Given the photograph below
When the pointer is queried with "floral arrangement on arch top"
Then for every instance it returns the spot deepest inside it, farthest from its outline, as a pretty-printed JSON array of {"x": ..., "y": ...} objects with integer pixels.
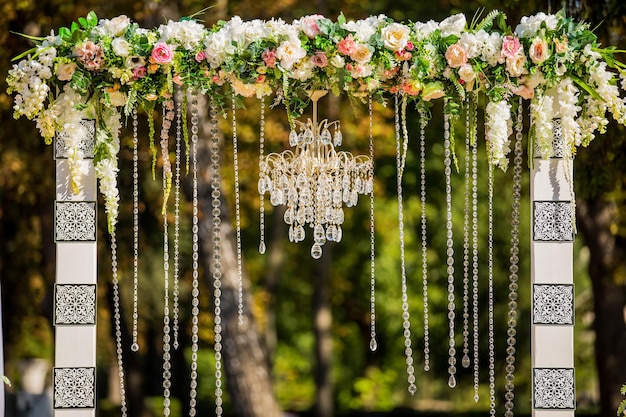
[{"x": 106, "y": 68}]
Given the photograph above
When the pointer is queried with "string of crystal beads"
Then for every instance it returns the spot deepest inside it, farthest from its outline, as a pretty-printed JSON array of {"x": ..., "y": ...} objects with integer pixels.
[{"x": 314, "y": 181}]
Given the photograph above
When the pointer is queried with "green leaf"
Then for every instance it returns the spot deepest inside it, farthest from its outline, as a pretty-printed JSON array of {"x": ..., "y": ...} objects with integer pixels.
[
  {"x": 341, "y": 19},
  {"x": 92, "y": 18},
  {"x": 586, "y": 87},
  {"x": 74, "y": 26},
  {"x": 23, "y": 54},
  {"x": 83, "y": 22}
]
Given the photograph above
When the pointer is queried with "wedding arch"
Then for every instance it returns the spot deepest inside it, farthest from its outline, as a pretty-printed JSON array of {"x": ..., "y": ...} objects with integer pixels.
[{"x": 82, "y": 83}]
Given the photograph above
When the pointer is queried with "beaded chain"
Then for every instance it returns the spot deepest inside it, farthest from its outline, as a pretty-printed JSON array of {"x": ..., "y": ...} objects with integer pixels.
[
  {"x": 373, "y": 343},
  {"x": 423, "y": 122},
  {"x": 412, "y": 388}
]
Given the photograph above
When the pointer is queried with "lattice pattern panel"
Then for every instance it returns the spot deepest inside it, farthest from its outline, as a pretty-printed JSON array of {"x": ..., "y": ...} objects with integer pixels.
[
  {"x": 552, "y": 221},
  {"x": 74, "y": 304},
  {"x": 74, "y": 387},
  {"x": 553, "y": 304},
  {"x": 86, "y": 144},
  {"x": 75, "y": 221},
  {"x": 553, "y": 388},
  {"x": 558, "y": 145}
]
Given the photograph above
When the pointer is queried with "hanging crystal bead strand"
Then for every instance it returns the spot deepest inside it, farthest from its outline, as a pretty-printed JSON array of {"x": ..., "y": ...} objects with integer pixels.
[
  {"x": 262, "y": 162},
  {"x": 423, "y": 121},
  {"x": 514, "y": 261},
  {"x": 373, "y": 343},
  {"x": 175, "y": 277},
  {"x": 237, "y": 215},
  {"x": 195, "y": 292},
  {"x": 118, "y": 327},
  {"x": 465, "y": 361},
  {"x": 166, "y": 317},
  {"x": 475, "y": 270},
  {"x": 405, "y": 300},
  {"x": 135, "y": 345},
  {"x": 492, "y": 378},
  {"x": 450, "y": 251},
  {"x": 217, "y": 255}
]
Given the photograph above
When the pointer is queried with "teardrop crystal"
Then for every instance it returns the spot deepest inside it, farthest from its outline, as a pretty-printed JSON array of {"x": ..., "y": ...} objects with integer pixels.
[
  {"x": 316, "y": 251},
  {"x": 262, "y": 248},
  {"x": 134, "y": 347},
  {"x": 338, "y": 138},
  {"x": 452, "y": 381},
  {"x": 293, "y": 138},
  {"x": 325, "y": 137},
  {"x": 465, "y": 361},
  {"x": 373, "y": 345}
]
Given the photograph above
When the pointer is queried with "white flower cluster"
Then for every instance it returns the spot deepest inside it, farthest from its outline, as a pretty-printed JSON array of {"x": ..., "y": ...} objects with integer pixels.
[
  {"x": 187, "y": 33},
  {"x": 366, "y": 28},
  {"x": 107, "y": 169},
  {"x": 529, "y": 26},
  {"x": 498, "y": 130},
  {"x": 484, "y": 46},
  {"x": 28, "y": 79},
  {"x": 542, "y": 113},
  {"x": 568, "y": 99}
]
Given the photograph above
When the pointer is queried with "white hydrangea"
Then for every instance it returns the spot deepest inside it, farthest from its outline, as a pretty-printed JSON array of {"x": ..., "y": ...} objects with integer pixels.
[
  {"x": 452, "y": 25},
  {"x": 530, "y": 25},
  {"x": 186, "y": 33},
  {"x": 364, "y": 29},
  {"x": 423, "y": 30}
]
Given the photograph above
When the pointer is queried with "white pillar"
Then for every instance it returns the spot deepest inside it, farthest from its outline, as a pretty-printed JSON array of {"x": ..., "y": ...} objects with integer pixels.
[
  {"x": 74, "y": 373},
  {"x": 552, "y": 243}
]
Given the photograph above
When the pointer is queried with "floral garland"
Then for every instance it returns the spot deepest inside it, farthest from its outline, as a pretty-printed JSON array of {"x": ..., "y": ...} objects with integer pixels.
[{"x": 106, "y": 68}]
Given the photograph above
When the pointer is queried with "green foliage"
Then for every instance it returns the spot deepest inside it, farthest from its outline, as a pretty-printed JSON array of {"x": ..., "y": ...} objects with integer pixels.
[{"x": 621, "y": 410}]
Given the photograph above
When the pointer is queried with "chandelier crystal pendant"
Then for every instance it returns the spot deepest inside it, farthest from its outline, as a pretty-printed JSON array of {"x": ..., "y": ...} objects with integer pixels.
[{"x": 314, "y": 181}]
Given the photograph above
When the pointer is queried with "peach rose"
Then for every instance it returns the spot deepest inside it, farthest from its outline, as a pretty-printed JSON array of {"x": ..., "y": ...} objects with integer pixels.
[
  {"x": 516, "y": 65},
  {"x": 538, "y": 51},
  {"x": 361, "y": 54},
  {"x": 560, "y": 45},
  {"x": 456, "y": 55},
  {"x": 65, "y": 71}
]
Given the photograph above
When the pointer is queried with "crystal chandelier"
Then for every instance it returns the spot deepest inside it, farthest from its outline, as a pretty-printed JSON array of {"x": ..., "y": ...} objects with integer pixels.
[{"x": 314, "y": 181}]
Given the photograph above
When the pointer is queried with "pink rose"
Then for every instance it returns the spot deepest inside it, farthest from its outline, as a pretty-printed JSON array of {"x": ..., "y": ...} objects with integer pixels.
[
  {"x": 523, "y": 91},
  {"x": 200, "y": 56},
  {"x": 162, "y": 53},
  {"x": 139, "y": 72},
  {"x": 538, "y": 51},
  {"x": 269, "y": 57},
  {"x": 347, "y": 45},
  {"x": 510, "y": 46},
  {"x": 319, "y": 59},
  {"x": 309, "y": 25},
  {"x": 456, "y": 55}
]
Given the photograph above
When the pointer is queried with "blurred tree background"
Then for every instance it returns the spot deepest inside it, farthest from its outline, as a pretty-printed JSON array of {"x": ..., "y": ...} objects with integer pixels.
[{"x": 302, "y": 306}]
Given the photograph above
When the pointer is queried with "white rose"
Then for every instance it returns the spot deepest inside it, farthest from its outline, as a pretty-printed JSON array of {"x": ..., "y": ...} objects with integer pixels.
[
  {"x": 290, "y": 52},
  {"x": 452, "y": 25},
  {"x": 116, "y": 26},
  {"x": 120, "y": 46},
  {"x": 337, "y": 61},
  {"x": 395, "y": 36},
  {"x": 466, "y": 73}
]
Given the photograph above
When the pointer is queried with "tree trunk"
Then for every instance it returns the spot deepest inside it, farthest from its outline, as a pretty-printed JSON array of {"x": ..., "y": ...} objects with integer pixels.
[
  {"x": 245, "y": 358},
  {"x": 609, "y": 294}
]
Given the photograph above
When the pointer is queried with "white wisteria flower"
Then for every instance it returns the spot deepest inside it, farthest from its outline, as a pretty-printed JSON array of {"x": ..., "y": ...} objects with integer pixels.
[
  {"x": 542, "y": 113},
  {"x": 568, "y": 99},
  {"x": 498, "y": 130}
]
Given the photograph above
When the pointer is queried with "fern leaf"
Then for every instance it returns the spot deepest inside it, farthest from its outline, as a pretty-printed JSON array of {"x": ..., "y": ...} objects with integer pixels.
[{"x": 487, "y": 22}]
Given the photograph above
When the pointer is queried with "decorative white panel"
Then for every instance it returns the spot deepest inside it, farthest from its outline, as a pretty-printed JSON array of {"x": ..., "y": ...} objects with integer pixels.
[
  {"x": 553, "y": 388},
  {"x": 552, "y": 221},
  {"x": 75, "y": 221},
  {"x": 74, "y": 304},
  {"x": 86, "y": 144},
  {"x": 558, "y": 145},
  {"x": 74, "y": 387},
  {"x": 553, "y": 304}
]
